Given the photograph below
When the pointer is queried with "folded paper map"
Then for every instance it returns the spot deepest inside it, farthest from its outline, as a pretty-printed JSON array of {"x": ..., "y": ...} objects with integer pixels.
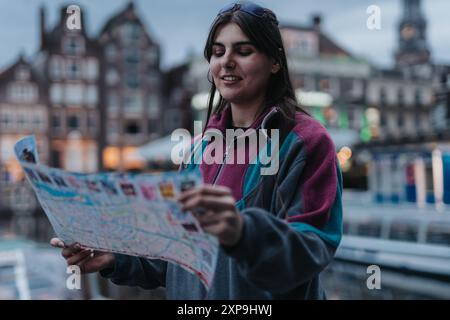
[{"x": 133, "y": 214}]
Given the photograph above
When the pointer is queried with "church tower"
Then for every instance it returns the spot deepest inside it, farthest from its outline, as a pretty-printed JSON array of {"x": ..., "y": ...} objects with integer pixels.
[{"x": 413, "y": 48}]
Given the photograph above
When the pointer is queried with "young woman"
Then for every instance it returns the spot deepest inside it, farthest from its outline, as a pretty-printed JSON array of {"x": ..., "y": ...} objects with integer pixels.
[{"x": 278, "y": 231}]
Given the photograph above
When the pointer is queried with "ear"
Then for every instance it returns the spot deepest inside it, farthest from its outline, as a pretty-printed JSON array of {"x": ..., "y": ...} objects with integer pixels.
[{"x": 275, "y": 67}]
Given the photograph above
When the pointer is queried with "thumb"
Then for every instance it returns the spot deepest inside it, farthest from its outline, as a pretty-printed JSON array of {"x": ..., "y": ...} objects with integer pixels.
[{"x": 56, "y": 242}]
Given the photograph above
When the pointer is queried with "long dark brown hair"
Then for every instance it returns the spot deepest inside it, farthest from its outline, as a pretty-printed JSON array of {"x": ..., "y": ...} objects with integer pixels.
[{"x": 265, "y": 34}]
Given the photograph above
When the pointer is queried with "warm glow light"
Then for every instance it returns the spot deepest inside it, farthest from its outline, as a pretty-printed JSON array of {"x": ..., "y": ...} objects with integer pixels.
[
  {"x": 14, "y": 168},
  {"x": 346, "y": 152},
  {"x": 344, "y": 155},
  {"x": 130, "y": 158},
  {"x": 373, "y": 116},
  {"x": 111, "y": 157}
]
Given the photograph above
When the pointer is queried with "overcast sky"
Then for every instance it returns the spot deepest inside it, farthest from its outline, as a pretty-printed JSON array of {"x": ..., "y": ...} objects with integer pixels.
[{"x": 181, "y": 26}]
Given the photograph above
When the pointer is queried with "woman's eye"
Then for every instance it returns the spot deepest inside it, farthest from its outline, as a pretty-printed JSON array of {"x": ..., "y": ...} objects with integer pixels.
[
  {"x": 218, "y": 52},
  {"x": 245, "y": 52}
]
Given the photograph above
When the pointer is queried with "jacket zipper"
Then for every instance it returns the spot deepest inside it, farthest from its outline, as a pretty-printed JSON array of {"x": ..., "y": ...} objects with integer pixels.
[{"x": 219, "y": 172}]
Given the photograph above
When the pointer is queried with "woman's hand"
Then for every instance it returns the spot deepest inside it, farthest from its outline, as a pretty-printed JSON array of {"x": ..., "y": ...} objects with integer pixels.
[
  {"x": 88, "y": 260},
  {"x": 214, "y": 207}
]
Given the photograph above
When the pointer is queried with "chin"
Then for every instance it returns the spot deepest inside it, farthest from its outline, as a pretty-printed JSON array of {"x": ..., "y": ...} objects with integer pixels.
[{"x": 232, "y": 98}]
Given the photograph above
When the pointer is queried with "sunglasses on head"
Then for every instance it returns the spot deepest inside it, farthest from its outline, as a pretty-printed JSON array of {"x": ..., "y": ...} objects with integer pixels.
[{"x": 250, "y": 8}]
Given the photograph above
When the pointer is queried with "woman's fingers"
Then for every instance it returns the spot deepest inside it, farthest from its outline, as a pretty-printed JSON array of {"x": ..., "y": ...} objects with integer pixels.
[
  {"x": 71, "y": 250},
  {"x": 205, "y": 189},
  {"x": 82, "y": 263},
  {"x": 207, "y": 202},
  {"x": 58, "y": 243},
  {"x": 207, "y": 218},
  {"x": 77, "y": 258},
  {"x": 215, "y": 229}
]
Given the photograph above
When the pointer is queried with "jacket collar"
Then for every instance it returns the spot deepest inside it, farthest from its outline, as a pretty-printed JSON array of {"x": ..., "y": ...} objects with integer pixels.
[{"x": 222, "y": 121}]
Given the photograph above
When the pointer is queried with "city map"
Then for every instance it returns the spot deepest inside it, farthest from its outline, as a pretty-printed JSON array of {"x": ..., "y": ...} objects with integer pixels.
[{"x": 132, "y": 214}]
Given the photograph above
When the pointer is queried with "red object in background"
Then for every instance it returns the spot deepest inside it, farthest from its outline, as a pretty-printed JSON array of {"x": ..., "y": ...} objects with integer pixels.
[{"x": 410, "y": 180}]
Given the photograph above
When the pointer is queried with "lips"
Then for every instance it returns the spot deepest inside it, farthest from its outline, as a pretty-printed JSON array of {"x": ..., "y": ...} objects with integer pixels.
[{"x": 230, "y": 78}]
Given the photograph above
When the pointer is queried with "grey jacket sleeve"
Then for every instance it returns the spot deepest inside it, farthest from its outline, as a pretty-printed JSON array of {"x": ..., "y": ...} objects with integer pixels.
[
  {"x": 134, "y": 271},
  {"x": 275, "y": 257}
]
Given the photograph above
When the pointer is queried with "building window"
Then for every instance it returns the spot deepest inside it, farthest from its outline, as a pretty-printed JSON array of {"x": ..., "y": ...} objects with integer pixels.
[
  {"x": 383, "y": 99},
  {"x": 382, "y": 119},
  {"x": 132, "y": 81},
  {"x": 74, "y": 69},
  {"x": 91, "y": 95},
  {"x": 73, "y": 122},
  {"x": 74, "y": 94},
  {"x": 4, "y": 120},
  {"x": 132, "y": 56},
  {"x": 153, "y": 106},
  {"x": 111, "y": 52},
  {"x": 73, "y": 45},
  {"x": 356, "y": 90},
  {"x": 133, "y": 101},
  {"x": 153, "y": 125},
  {"x": 38, "y": 123},
  {"x": 400, "y": 97},
  {"x": 418, "y": 121},
  {"x": 113, "y": 101},
  {"x": 92, "y": 123},
  {"x": 91, "y": 69},
  {"x": 22, "y": 93},
  {"x": 112, "y": 77},
  {"x": 56, "y": 93},
  {"x": 22, "y": 74},
  {"x": 113, "y": 128},
  {"x": 132, "y": 128},
  {"x": 131, "y": 32},
  {"x": 400, "y": 118},
  {"x": 55, "y": 158},
  {"x": 134, "y": 31},
  {"x": 417, "y": 98},
  {"x": 56, "y": 122},
  {"x": 56, "y": 68},
  {"x": 21, "y": 121}
]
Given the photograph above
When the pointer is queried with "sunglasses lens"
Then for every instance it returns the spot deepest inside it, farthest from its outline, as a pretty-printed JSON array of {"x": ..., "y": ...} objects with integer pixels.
[
  {"x": 227, "y": 8},
  {"x": 253, "y": 9},
  {"x": 249, "y": 8}
]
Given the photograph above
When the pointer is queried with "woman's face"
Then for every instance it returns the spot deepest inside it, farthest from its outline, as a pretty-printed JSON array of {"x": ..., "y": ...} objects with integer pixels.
[{"x": 239, "y": 70}]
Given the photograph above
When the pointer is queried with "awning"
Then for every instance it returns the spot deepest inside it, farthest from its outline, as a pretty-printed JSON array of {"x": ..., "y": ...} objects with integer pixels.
[{"x": 161, "y": 149}]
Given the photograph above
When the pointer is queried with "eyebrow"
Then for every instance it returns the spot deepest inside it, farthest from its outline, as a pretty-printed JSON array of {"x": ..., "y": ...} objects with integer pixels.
[{"x": 236, "y": 44}]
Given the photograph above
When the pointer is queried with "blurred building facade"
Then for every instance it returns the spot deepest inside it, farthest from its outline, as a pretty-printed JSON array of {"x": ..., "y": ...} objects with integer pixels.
[
  {"x": 23, "y": 110},
  {"x": 90, "y": 101},
  {"x": 410, "y": 103},
  {"x": 68, "y": 66},
  {"x": 131, "y": 88}
]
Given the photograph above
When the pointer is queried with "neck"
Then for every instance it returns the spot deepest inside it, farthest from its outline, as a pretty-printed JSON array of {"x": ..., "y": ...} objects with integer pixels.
[{"x": 243, "y": 115}]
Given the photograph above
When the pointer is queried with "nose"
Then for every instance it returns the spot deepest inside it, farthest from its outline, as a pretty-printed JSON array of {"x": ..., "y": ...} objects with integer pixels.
[{"x": 228, "y": 60}]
